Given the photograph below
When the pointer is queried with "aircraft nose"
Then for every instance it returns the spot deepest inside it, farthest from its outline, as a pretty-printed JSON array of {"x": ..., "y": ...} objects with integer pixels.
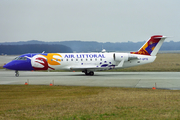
[
  {"x": 19, "y": 65},
  {"x": 8, "y": 66}
]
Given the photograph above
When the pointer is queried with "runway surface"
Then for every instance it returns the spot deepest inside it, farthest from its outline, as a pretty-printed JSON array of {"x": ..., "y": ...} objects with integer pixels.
[{"x": 163, "y": 80}]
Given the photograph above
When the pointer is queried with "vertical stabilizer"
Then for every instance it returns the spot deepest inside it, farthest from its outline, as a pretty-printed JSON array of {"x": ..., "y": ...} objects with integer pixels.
[{"x": 152, "y": 46}]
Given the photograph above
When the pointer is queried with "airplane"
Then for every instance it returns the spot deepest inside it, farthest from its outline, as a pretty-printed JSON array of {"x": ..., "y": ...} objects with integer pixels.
[{"x": 87, "y": 62}]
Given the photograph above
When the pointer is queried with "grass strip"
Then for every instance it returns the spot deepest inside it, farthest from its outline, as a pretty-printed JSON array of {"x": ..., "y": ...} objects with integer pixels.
[{"x": 80, "y": 103}]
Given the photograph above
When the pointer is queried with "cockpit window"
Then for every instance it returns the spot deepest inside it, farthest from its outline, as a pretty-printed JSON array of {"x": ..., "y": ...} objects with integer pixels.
[
  {"x": 15, "y": 58},
  {"x": 20, "y": 58}
]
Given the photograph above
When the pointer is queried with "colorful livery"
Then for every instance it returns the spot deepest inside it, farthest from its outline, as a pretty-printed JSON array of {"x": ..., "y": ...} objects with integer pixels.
[{"x": 87, "y": 62}]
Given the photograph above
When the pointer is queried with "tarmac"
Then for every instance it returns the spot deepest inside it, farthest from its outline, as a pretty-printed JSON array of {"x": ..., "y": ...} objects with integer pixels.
[{"x": 160, "y": 80}]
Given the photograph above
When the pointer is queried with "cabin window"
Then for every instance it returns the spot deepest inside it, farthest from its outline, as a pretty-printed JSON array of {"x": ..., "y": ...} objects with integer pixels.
[
  {"x": 51, "y": 59},
  {"x": 56, "y": 59},
  {"x": 101, "y": 59},
  {"x": 71, "y": 59},
  {"x": 66, "y": 59},
  {"x": 81, "y": 59},
  {"x": 90, "y": 59},
  {"x": 61, "y": 59},
  {"x": 86, "y": 59},
  {"x": 138, "y": 61},
  {"x": 96, "y": 59},
  {"x": 76, "y": 59}
]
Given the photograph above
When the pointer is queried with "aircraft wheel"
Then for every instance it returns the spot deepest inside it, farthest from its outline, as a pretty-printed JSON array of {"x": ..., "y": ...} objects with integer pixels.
[
  {"x": 91, "y": 73},
  {"x": 16, "y": 73}
]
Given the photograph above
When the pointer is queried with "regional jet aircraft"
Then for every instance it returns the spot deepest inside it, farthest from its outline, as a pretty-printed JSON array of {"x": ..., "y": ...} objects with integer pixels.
[{"x": 87, "y": 62}]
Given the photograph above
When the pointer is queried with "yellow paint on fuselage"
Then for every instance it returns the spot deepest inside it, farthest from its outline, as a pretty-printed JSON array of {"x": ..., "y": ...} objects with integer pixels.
[{"x": 52, "y": 60}]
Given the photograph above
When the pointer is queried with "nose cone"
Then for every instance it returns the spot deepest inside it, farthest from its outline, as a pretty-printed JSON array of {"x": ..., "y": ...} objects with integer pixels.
[
  {"x": 9, "y": 66},
  {"x": 18, "y": 65}
]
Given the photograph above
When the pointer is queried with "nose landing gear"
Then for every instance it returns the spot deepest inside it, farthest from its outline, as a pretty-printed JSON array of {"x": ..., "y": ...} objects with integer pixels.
[{"x": 16, "y": 73}]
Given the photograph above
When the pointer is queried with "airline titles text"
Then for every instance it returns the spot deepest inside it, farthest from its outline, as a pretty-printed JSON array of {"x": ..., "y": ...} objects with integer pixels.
[{"x": 84, "y": 56}]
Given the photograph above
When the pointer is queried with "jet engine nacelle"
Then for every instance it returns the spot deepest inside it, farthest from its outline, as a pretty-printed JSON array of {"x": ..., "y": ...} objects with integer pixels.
[
  {"x": 124, "y": 56},
  {"x": 120, "y": 56}
]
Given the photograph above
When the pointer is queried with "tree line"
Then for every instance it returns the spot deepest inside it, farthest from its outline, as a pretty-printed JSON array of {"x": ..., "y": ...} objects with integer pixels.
[
  {"x": 76, "y": 46},
  {"x": 33, "y": 48}
]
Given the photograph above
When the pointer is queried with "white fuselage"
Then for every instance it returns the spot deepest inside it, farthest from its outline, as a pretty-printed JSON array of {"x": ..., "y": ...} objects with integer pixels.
[
  {"x": 94, "y": 61},
  {"x": 88, "y": 62}
]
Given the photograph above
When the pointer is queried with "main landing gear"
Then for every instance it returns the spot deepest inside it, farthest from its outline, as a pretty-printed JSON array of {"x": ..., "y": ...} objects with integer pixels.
[
  {"x": 16, "y": 73},
  {"x": 91, "y": 73}
]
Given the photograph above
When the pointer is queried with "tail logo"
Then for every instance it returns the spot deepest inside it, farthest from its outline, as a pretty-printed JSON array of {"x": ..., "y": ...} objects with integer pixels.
[
  {"x": 149, "y": 45},
  {"x": 150, "y": 48}
]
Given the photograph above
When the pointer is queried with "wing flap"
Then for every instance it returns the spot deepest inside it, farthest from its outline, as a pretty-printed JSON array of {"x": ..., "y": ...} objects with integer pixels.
[
  {"x": 90, "y": 68},
  {"x": 84, "y": 67}
]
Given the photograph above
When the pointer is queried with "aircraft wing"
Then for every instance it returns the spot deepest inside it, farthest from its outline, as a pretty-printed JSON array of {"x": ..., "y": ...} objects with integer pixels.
[
  {"x": 94, "y": 68},
  {"x": 86, "y": 68}
]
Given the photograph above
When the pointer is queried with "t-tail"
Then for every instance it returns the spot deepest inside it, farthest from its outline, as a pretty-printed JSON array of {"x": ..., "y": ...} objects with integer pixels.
[{"x": 152, "y": 46}]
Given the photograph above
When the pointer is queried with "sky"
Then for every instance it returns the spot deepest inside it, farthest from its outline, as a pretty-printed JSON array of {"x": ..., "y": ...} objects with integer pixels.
[{"x": 89, "y": 20}]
